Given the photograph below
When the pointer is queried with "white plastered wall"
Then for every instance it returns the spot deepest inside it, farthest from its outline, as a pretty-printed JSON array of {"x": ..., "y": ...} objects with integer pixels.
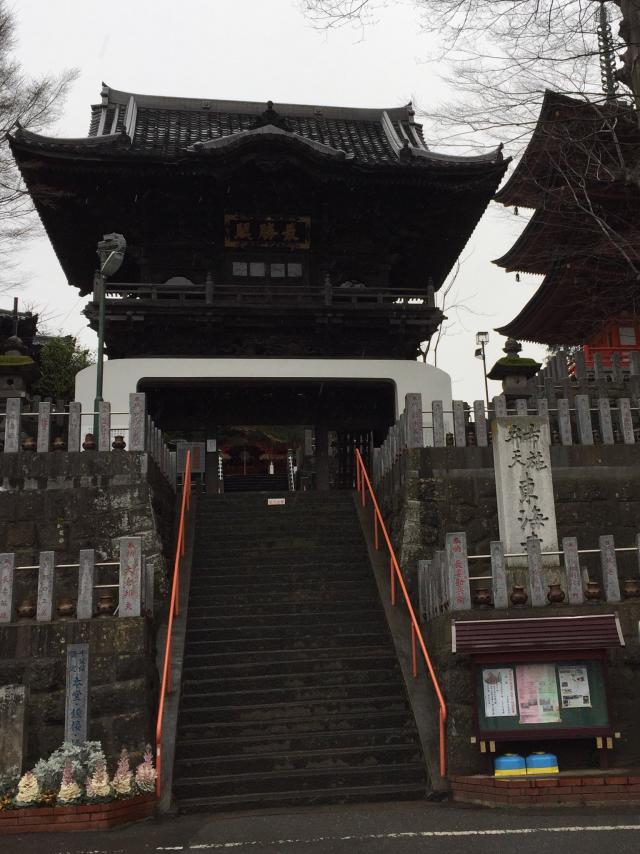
[{"x": 121, "y": 376}]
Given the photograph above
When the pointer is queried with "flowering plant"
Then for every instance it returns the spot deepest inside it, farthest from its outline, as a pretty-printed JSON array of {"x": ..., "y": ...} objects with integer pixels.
[
  {"x": 28, "y": 790},
  {"x": 122, "y": 778},
  {"x": 70, "y": 791},
  {"x": 146, "y": 774},
  {"x": 98, "y": 785}
]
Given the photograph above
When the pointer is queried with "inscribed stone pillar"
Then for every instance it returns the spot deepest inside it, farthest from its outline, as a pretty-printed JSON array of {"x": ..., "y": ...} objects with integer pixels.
[
  {"x": 606, "y": 425},
  {"x": 44, "y": 427},
  {"x": 74, "y": 432},
  {"x": 609, "y": 568},
  {"x": 7, "y": 574},
  {"x": 498, "y": 575},
  {"x": 413, "y": 409},
  {"x": 583, "y": 415},
  {"x": 86, "y": 574},
  {"x": 480, "y": 420},
  {"x": 458, "y": 424},
  {"x": 130, "y": 577},
  {"x": 575, "y": 595},
  {"x": 104, "y": 426},
  {"x": 12, "y": 425},
  {"x": 500, "y": 406},
  {"x": 76, "y": 713},
  {"x": 437, "y": 420},
  {"x": 626, "y": 420},
  {"x": 137, "y": 421},
  {"x": 524, "y": 485},
  {"x": 458, "y": 572},
  {"x": 13, "y": 730},
  {"x": 46, "y": 586},
  {"x": 536, "y": 584},
  {"x": 564, "y": 421}
]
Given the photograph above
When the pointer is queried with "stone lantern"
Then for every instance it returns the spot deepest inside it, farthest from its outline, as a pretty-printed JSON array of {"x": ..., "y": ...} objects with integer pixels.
[
  {"x": 17, "y": 369},
  {"x": 514, "y": 371}
]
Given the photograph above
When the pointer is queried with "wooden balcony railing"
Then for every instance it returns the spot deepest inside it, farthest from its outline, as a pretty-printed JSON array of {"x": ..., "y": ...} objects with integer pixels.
[{"x": 260, "y": 294}]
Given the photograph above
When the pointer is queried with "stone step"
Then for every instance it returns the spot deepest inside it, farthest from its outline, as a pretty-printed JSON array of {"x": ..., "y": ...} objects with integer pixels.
[
  {"x": 212, "y": 764},
  {"x": 301, "y": 627},
  {"x": 300, "y": 662},
  {"x": 265, "y": 744},
  {"x": 277, "y": 713},
  {"x": 310, "y": 643},
  {"x": 303, "y": 779},
  {"x": 354, "y": 721},
  {"x": 196, "y": 696},
  {"x": 255, "y": 611},
  {"x": 328, "y": 678},
  {"x": 310, "y": 797}
]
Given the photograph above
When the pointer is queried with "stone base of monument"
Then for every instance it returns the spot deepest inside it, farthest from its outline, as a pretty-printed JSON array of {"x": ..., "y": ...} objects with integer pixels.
[{"x": 84, "y": 817}]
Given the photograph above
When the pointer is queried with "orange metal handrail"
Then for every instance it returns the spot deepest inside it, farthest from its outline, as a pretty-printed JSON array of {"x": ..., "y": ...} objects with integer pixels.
[
  {"x": 174, "y": 610},
  {"x": 363, "y": 485}
]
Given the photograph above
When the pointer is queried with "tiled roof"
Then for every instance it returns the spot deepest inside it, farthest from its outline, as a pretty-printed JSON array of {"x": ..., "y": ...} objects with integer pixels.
[
  {"x": 169, "y": 127},
  {"x": 597, "y": 631}
]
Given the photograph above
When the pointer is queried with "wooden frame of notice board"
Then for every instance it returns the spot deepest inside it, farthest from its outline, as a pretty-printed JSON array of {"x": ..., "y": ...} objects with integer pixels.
[{"x": 578, "y": 715}]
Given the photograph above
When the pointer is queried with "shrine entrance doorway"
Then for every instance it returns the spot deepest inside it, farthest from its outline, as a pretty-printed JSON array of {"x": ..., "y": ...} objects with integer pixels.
[{"x": 250, "y": 428}]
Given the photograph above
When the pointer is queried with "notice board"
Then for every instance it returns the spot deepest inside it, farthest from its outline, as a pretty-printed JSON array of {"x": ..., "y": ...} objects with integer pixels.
[{"x": 541, "y": 696}]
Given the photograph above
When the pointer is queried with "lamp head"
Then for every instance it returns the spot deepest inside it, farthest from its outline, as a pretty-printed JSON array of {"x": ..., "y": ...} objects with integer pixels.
[
  {"x": 111, "y": 251},
  {"x": 482, "y": 337}
]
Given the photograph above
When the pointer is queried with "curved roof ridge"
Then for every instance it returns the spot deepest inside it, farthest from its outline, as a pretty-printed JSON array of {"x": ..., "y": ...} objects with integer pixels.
[
  {"x": 117, "y": 96},
  {"x": 43, "y": 139}
]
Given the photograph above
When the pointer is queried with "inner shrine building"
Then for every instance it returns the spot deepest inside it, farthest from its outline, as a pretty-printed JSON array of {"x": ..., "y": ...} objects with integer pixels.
[{"x": 282, "y": 265}]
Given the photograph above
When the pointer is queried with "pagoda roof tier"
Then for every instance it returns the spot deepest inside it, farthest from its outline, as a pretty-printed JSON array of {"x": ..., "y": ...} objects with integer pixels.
[
  {"x": 133, "y": 125},
  {"x": 573, "y": 140},
  {"x": 573, "y": 302},
  {"x": 563, "y": 234}
]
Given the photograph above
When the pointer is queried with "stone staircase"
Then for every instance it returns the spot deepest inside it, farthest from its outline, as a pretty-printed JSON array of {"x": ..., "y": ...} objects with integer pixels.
[
  {"x": 254, "y": 482},
  {"x": 291, "y": 691}
]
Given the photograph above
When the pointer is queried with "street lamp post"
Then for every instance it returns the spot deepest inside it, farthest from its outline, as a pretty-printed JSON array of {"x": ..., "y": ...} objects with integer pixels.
[
  {"x": 110, "y": 251},
  {"x": 482, "y": 338}
]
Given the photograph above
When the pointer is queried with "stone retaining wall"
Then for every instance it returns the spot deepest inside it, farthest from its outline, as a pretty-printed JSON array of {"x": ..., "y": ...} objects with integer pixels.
[{"x": 123, "y": 684}]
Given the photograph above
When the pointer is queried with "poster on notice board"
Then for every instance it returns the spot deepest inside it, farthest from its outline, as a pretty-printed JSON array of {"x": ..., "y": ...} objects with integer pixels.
[
  {"x": 538, "y": 693},
  {"x": 499, "y": 692}
]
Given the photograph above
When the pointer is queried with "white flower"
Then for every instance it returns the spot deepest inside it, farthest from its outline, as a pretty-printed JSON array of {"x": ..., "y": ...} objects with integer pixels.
[{"x": 28, "y": 790}]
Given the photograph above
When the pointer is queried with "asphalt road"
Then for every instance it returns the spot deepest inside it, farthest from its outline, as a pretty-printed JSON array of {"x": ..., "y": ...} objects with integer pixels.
[{"x": 386, "y": 828}]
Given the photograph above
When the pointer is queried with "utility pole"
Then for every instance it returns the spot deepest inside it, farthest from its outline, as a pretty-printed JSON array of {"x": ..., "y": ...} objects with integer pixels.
[
  {"x": 110, "y": 251},
  {"x": 482, "y": 338}
]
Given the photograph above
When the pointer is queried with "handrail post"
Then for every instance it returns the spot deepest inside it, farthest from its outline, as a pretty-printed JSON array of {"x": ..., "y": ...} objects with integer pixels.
[{"x": 414, "y": 662}]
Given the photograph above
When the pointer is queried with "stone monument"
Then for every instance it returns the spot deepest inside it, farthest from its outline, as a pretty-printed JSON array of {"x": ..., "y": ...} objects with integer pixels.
[
  {"x": 524, "y": 486},
  {"x": 77, "y": 698},
  {"x": 13, "y": 707}
]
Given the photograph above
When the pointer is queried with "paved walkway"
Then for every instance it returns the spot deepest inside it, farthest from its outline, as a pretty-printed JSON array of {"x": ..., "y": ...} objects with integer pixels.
[{"x": 385, "y": 829}]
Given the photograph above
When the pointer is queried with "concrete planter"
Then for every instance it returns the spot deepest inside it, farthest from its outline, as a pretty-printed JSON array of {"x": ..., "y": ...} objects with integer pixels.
[{"x": 84, "y": 817}]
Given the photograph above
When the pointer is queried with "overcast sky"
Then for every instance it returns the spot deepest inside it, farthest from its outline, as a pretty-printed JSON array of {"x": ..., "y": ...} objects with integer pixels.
[{"x": 257, "y": 50}]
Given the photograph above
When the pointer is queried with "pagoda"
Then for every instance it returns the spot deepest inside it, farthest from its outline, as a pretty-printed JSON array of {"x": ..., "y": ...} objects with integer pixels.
[
  {"x": 282, "y": 260},
  {"x": 577, "y": 175}
]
